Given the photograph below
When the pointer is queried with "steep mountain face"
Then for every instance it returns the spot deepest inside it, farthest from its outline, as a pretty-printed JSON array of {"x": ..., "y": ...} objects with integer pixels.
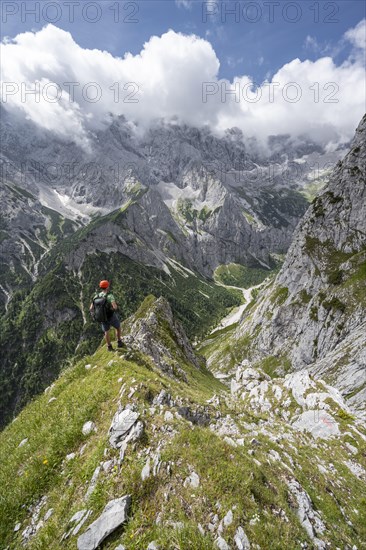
[
  {"x": 145, "y": 230},
  {"x": 147, "y": 450},
  {"x": 314, "y": 314},
  {"x": 216, "y": 199},
  {"x": 28, "y": 231}
]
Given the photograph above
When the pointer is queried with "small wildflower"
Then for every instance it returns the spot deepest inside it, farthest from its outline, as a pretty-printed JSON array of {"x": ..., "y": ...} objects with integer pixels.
[{"x": 45, "y": 461}]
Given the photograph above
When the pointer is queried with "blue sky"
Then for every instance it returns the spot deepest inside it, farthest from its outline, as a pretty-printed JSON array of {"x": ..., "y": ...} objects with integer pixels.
[{"x": 256, "y": 41}]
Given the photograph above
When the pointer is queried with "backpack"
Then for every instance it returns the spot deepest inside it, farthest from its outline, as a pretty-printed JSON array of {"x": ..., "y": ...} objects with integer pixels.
[{"x": 101, "y": 309}]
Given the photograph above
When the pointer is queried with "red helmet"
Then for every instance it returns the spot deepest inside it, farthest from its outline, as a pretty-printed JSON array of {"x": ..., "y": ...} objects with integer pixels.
[{"x": 104, "y": 284}]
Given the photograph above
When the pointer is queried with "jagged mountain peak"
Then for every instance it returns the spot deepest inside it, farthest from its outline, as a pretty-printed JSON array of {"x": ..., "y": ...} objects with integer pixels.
[{"x": 338, "y": 214}]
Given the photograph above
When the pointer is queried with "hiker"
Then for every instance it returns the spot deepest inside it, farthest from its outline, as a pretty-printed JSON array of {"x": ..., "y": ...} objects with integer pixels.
[{"x": 103, "y": 309}]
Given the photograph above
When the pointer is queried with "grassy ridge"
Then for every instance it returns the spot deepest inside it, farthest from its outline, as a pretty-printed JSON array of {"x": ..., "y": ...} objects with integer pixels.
[
  {"x": 252, "y": 485},
  {"x": 54, "y": 429},
  {"x": 49, "y": 320}
]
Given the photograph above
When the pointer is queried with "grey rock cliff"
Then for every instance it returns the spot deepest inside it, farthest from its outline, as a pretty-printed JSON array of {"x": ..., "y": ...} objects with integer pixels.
[
  {"x": 155, "y": 332},
  {"x": 315, "y": 310}
]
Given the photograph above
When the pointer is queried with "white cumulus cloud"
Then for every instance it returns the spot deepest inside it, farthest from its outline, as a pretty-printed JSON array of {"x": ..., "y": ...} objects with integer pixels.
[
  {"x": 357, "y": 35},
  {"x": 176, "y": 76}
]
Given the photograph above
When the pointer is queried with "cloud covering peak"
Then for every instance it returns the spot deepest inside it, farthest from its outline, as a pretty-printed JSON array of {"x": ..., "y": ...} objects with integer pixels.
[{"x": 71, "y": 90}]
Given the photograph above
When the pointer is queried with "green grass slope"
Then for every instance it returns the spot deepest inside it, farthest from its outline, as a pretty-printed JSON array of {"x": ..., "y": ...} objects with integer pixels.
[
  {"x": 45, "y": 328},
  {"x": 245, "y": 478}
]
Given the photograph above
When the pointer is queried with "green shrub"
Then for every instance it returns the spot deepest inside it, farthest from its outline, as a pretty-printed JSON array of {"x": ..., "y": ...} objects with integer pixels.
[
  {"x": 344, "y": 415},
  {"x": 312, "y": 244},
  {"x": 279, "y": 296},
  {"x": 333, "y": 199},
  {"x": 334, "y": 304},
  {"x": 304, "y": 296},
  {"x": 335, "y": 277},
  {"x": 318, "y": 207},
  {"x": 314, "y": 313}
]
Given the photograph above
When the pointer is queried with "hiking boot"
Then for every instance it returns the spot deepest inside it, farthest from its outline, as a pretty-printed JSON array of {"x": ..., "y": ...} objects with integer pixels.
[
  {"x": 110, "y": 347},
  {"x": 121, "y": 344}
]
